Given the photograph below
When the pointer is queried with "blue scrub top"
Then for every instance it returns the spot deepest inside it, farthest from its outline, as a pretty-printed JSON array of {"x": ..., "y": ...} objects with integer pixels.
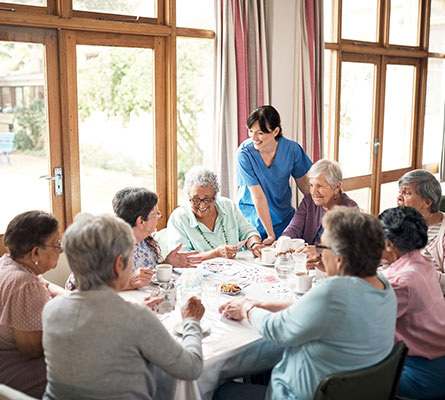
[{"x": 290, "y": 160}]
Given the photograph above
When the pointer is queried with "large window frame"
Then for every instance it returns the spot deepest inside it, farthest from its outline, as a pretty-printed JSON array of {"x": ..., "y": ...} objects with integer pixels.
[
  {"x": 66, "y": 28},
  {"x": 380, "y": 53}
]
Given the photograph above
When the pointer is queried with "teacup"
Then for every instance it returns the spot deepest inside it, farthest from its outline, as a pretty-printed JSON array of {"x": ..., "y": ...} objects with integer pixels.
[
  {"x": 297, "y": 243},
  {"x": 284, "y": 243},
  {"x": 267, "y": 255},
  {"x": 303, "y": 282},
  {"x": 164, "y": 272}
]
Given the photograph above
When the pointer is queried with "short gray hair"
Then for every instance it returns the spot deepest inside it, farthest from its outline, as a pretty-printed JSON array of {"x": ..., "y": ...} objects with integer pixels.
[
  {"x": 356, "y": 236},
  {"x": 92, "y": 244},
  {"x": 426, "y": 186},
  {"x": 331, "y": 170},
  {"x": 201, "y": 176}
]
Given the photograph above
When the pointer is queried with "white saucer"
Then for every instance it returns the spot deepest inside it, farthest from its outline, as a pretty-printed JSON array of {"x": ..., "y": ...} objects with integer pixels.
[
  {"x": 258, "y": 261},
  {"x": 156, "y": 281},
  {"x": 302, "y": 291},
  {"x": 178, "y": 328}
]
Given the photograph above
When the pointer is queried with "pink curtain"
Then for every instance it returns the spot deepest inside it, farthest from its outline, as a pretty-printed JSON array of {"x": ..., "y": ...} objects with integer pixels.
[{"x": 241, "y": 79}]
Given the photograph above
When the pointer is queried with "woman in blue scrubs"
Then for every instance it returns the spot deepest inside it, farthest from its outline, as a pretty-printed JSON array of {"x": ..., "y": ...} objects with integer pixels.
[{"x": 265, "y": 162}]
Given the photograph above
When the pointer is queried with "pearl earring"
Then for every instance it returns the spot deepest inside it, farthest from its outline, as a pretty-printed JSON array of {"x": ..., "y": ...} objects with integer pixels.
[{"x": 36, "y": 262}]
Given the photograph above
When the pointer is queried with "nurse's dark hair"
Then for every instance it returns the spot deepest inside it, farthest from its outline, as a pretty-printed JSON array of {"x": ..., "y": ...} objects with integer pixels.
[
  {"x": 268, "y": 119},
  {"x": 28, "y": 230},
  {"x": 356, "y": 236},
  {"x": 405, "y": 228}
]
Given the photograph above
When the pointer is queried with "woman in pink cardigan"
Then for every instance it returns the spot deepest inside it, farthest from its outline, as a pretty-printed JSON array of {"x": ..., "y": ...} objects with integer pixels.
[
  {"x": 420, "y": 303},
  {"x": 421, "y": 190}
]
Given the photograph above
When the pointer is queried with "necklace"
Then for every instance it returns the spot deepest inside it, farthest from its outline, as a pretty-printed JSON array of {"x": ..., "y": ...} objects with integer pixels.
[{"x": 207, "y": 241}]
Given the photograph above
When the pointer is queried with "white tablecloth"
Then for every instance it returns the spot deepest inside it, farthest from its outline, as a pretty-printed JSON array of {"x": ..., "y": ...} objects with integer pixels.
[{"x": 232, "y": 348}]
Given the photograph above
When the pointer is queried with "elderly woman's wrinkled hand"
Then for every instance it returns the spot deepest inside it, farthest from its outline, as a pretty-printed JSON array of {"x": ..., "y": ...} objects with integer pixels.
[
  {"x": 140, "y": 278},
  {"x": 183, "y": 260},
  {"x": 151, "y": 301},
  {"x": 236, "y": 309},
  {"x": 314, "y": 260},
  {"x": 226, "y": 251},
  {"x": 256, "y": 250},
  {"x": 193, "y": 309}
]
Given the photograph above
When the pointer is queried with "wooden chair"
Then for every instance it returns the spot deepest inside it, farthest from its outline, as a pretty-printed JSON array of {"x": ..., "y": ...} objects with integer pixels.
[{"x": 379, "y": 381}]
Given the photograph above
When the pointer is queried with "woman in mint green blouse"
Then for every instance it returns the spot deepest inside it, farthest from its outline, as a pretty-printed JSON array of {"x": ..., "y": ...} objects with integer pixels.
[{"x": 212, "y": 225}]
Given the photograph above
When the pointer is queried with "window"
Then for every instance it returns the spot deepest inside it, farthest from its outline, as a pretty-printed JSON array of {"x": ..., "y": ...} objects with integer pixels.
[
  {"x": 116, "y": 123},
  {"x": 381, "y": 94}
]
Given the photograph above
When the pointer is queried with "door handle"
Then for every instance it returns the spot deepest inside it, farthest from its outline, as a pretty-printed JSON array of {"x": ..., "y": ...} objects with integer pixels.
[
  {"x": 376, "y": 145},
  {"x": 58, "y": 180}
]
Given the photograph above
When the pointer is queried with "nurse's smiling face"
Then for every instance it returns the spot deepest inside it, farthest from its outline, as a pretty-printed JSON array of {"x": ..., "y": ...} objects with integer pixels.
[{"x": 263, "y": 140}]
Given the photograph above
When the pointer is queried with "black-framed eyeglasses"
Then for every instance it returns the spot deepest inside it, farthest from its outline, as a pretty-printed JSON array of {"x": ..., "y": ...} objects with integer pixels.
[
  {"x": 319, "y": 248},
  {"x": 196, "y": 201}
]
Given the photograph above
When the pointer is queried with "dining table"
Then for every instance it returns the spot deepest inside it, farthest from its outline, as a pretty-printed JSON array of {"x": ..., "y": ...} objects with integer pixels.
[{"x": 231, "y": 348}]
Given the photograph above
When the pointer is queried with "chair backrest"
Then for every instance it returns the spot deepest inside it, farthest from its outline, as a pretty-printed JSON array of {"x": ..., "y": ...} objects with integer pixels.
[
  {"x": 162, "y": 239},
  {"x": 379, "y": 381}
]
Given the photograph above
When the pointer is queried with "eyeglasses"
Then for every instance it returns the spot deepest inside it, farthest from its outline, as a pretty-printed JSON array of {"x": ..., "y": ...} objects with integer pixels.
[
  {"x": 196, "y": 201},
  {"x": 319, "y": 248},
  {"x": 58, "y": 246},
  {"x": 156, "y": 214}
]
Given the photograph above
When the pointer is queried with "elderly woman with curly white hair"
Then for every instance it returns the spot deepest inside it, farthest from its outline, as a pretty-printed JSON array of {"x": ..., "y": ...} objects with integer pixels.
[{"x": 212, "y": 225}]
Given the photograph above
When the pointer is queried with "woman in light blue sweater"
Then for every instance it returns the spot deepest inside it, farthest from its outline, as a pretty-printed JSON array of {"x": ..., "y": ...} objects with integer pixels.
[{"x": 345, "y": 322}]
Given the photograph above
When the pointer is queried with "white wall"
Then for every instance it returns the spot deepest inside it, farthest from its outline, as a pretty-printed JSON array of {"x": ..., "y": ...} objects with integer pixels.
[
  {"x": 281, "y": 40},
  {"x": 281, "y": 20}
]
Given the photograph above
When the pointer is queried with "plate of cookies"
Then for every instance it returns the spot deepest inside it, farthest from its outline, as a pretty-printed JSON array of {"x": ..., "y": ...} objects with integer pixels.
[{"x": 232, "y": 289}]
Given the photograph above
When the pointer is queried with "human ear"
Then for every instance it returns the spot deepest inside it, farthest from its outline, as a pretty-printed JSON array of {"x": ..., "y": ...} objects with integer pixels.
[
  {"x": 139, "y": 222},
  {"x": 118, "y": 266}
]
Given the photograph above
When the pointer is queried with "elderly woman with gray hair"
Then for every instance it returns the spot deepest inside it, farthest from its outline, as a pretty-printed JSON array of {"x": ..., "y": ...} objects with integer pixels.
[
  {"x": 212, "y": 225},
  {"x": 325, "y": 178},
  {"x": 344, "y": 323},
  {"x": 96, "y": 344},
  {"x": 421, "y": 190}
]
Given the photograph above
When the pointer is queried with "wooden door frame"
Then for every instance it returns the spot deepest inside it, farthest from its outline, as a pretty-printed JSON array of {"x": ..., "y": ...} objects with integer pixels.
[
  {"x": 68, "y": 42},
  {"x": 377, "y": 177},
  {"x": 48, "y": 38}
]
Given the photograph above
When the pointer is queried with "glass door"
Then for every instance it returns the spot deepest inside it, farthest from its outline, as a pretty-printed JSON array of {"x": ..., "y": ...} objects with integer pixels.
[
  {"x": 114, "y": 138},
  {"x": 31, "y": 171},
  {"x": 358, "y": 115},
  {"x": 377, "y": 125}
]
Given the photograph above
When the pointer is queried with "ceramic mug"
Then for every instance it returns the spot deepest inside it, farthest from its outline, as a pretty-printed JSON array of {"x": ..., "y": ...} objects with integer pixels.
[
  {"x": 164, "y": 272},
  {"x": 297, "y": 243},
  {"x": 267, "y": 255},
  {"x": 303, "y": 282}
]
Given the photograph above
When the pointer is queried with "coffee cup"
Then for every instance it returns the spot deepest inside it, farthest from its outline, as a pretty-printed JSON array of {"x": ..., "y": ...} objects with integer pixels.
[
  {"x": 284, "y": 243},
  {"x": 297, "y": 243},
  {"x": 267, "y": 255},
  {"x": 164, "y": 272},
  {"x": 303, "y": 282}
]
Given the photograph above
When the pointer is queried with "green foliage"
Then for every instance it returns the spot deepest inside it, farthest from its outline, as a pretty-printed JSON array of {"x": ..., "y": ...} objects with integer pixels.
[
  {"x": 122, "y": 86},
  {"x": 122, "y": 83},
  {"x": 30, "y": 122},
  {"x": 192, "y": 53}
]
